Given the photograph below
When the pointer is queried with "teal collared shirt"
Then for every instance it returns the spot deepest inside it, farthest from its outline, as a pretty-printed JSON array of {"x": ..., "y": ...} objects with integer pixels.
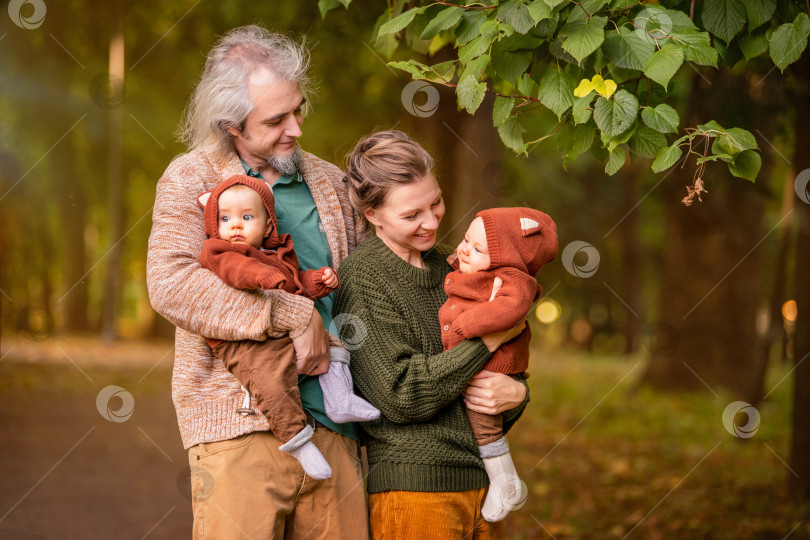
[{"x": 298, "y": 216}]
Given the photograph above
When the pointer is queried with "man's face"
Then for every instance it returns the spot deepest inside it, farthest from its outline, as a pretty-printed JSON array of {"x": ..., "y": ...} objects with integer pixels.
[{"x": 273, "y": 126}]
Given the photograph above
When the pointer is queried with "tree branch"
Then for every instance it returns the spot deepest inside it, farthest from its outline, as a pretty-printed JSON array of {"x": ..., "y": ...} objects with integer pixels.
[{"x": 442, "y": 2}]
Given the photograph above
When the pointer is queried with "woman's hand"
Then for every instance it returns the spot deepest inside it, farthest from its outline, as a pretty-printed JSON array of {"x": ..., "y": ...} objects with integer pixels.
[
  {"x": 493, "y": 341},
  {"x": 493, "y": 393}
]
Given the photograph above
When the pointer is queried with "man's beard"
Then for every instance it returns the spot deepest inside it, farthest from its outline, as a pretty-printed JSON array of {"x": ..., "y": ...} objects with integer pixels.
[{"x": 287, "y": 165}]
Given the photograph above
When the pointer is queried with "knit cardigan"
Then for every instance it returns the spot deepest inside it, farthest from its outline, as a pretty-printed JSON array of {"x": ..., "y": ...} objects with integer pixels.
[
  {"x": 199, "y": 303},
  {"x": 389, "y": 311}
]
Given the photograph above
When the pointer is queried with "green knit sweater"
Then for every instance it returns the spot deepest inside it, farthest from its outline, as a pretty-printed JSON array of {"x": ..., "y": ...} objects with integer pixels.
[{"x": 388, "y": 312}]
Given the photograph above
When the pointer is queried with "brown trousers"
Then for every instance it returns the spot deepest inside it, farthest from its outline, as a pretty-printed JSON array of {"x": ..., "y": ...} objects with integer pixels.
[
  {"x": 487, "y": 428},
  {"x": 267, "y": 370},
  {"x": 247, "y": 488},
  {"x": 454, "y": 515}
]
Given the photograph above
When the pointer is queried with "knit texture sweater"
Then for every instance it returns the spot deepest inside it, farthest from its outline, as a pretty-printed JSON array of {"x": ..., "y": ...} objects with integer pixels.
[
  {"x": 389, "y": 313},
  {"x": 205, "y": 394}
]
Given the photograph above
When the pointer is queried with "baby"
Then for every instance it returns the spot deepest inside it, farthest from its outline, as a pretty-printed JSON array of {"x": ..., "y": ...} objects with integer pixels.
[
  {"x": 246, "y": 251},
  {"x": 492, "y": 289}
]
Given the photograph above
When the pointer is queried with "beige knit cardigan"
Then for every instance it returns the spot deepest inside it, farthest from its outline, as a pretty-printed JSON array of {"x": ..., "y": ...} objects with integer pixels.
[{"x": 199, "y": 304}]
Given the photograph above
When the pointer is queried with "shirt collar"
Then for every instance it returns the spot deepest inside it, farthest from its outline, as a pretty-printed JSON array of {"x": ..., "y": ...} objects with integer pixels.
[{"x": 285, "y": 179}]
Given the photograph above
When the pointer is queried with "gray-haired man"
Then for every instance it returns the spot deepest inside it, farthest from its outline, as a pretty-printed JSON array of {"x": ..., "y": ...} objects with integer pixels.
[{"x": 245, "y": 118}]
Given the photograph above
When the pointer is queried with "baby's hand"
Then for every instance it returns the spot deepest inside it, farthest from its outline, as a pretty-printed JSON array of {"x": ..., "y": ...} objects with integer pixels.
[
  {"x": 330, "y": 278},
  {"x": 496, "y": 286}
]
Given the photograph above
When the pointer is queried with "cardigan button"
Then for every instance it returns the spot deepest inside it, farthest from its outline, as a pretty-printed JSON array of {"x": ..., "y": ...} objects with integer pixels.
[
  {"x": 447, "y": 282},
  {"x": 446, "y": 327},
  {"x": 453, "y": 306}
]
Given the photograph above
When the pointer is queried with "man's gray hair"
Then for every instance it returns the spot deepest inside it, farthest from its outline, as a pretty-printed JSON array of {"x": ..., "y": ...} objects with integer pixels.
[{"x": 222, "y": 100}]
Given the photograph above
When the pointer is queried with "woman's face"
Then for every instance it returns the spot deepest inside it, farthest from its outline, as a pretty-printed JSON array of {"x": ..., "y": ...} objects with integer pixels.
[{"x": 408, "y": 218}]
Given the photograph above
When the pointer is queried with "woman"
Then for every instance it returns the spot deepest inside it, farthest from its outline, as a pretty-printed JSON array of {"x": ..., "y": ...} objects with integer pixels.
[{"x": 425, "y": 477}]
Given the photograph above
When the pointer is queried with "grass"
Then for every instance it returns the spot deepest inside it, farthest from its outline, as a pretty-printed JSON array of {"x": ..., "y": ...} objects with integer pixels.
[{"x": 605, "y": 458}]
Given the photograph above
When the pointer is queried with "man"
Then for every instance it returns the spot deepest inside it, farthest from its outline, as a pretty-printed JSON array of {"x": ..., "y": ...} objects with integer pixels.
[{"x": 245, "y": 118}]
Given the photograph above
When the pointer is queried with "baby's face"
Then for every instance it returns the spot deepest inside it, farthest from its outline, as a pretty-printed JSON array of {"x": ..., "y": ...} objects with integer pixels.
[
  {"x": 473, "y": 255},
  {"x": 242, "y": 218}
]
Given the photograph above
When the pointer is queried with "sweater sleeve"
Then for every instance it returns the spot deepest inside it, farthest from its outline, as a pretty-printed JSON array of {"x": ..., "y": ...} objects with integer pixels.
[
  {"x": 194, "y": 298},
  {"x": 512, "y": 415},
  {"x": 389, "y": 367},
  {"x": 313, "y": 284},
  {"x": 238, "y": 269},
  {"x": 510, "y": 306}
]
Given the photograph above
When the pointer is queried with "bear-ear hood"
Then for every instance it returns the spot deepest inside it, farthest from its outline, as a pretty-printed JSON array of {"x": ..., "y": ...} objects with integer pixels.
[
  {"x": 210, "y": 199},
  {"x": 523, "y": 238}
]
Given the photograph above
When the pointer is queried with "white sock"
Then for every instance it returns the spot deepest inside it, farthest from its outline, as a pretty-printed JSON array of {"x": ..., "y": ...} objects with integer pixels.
[
  {"x": 506, "y": 491},
  {"x": 304, "y": 450}
]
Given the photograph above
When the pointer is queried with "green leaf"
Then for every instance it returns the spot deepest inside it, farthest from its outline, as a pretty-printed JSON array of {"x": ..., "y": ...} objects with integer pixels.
[
  {"x": 573, "y": 141},
  {"x": 585, "y": 9},
  {"x": 516, "y": 13},
  {"x": 666, "y": 158},
  {"x": 714, "y": 157},
  {"x": 476, "y": 68},
  {"x": 511, "y": 65},
  {"x": 556, "y": 49},
  {"x": 447, "y": 18},
  {"x": 647, "y": 142},
  {"x": 615, "y": 116},
  {"x": 470, "y": 27},
  {"x": 616, "y": 160},
  {"x": 734, "y": 141},
  {"x": 663, "y": 64},
  {"x": 325, "y": 6},
  {"x": 474, "y": 48},
  {"x": 724, "y": 18},
  {"x": 746, "y": 165},
  {"x": 470, "y": 93},
  {"x": 581, "y": 110},
  {"x": 627, "y": 49},
  {"x": 662, "y": 118},
  {"x": 554, "y": 3},
  {"x": 526, "y": 85},
  {"x": 399, "y": 22},
  {"x": 753, "y": 45},
  {"x": 611, "y": 143},
  {"x": 697, "y": 47},
  {"x": 711, "y": 126},
  {"x": 759, "y": 12},
  {"x": 501, "y": 110},
  {"x": 789, "y": 41},
  {"x": 511, "y": 133},
  {"x": 581, "y": 38},
  {"x": 442, "y": 72},
  {"x": 539, "y": 10},
  {"x": 556, "y": 91},
  {"x": 416, "y": 69}
]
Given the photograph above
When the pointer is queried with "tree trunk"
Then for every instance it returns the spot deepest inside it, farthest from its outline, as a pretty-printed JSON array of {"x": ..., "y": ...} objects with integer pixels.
[
  {"x": 800, "y": 443},
  {"x": 112, "y": 279},
  {"x": 711, "y": 286}
]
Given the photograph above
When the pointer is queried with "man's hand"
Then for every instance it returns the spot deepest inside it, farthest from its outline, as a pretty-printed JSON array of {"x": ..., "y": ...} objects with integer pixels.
[
  {"x": 330, "y": 278},
  {"x": 312, "y": 348}
]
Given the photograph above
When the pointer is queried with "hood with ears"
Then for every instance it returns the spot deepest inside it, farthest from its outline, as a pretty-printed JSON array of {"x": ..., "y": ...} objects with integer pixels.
[
  {"x": 522, "y": 238},
  {"x": 209, "y": 201}
]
